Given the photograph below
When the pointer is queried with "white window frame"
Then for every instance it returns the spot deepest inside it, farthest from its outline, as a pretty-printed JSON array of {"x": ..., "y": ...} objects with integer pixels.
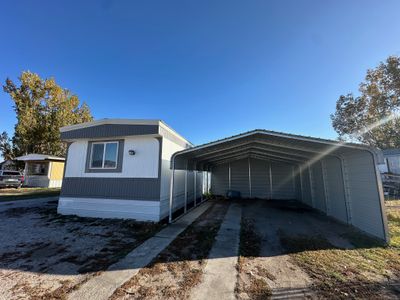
[{"x": 104, "y": 155}]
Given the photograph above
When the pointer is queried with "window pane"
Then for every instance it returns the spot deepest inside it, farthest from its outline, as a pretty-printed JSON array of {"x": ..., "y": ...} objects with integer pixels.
[
  {"x": 110, "y": 160},
  {"x": 97, "y": 155}
]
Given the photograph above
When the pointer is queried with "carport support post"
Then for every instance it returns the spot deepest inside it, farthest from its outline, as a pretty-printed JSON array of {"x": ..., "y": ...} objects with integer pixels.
[
  {"x": 229, "y": 176},
  {"x": 270, "y": 180},
  {"x": 301, "y": 182},
  {"x": 326, "y": 191},
  {"x": 171, "y": 190},
  {"x": 186, "y": 178},
  {"x": 248, "y": 161},
  {"x": 311, "y": 187},
  {"x": 347, "y": 195}
]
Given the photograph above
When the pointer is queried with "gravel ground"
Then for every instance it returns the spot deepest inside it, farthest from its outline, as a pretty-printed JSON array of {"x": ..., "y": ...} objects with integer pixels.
[{"x": 45, "y": 255}]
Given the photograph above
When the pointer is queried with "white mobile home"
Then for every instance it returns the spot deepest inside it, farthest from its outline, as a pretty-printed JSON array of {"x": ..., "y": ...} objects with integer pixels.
[
  {"x": 145, "y": 170},
  {"x": 121, "y": 168}
]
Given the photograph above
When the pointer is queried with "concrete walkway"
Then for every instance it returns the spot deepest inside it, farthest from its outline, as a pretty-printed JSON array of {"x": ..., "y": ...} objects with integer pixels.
[
  {"x": 104, "y": 285},
  {"x": 220, "y": 274}
]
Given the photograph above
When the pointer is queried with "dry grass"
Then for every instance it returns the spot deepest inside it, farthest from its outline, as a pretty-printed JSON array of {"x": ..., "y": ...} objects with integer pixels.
[
  {"x": 367, "y": 271},
  {"x": 251, "y": 283}
]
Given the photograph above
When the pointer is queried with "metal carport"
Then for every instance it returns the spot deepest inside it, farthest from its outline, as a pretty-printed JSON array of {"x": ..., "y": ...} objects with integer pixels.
[{"x": 339, "y": 179}]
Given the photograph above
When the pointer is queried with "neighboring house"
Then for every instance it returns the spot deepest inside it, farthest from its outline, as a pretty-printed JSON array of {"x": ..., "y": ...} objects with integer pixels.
[
  {"x": 43, "y": 170},
  {"x": 7, "y": 165},
  {"x": 391, "y": 163},
  {"x": 143, "y": 169}
]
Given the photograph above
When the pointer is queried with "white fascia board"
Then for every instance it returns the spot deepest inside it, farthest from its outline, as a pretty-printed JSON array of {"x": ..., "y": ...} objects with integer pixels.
[{"x": 172, "y": 131}]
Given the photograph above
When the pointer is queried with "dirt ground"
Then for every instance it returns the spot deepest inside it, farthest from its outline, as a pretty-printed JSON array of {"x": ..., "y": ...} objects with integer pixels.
[
  {"x": 286, "y": 251},
  {"x": 176, "y": 270},
  {"x": 300, "y": 253},
  {"x": 45, "y": 255}
]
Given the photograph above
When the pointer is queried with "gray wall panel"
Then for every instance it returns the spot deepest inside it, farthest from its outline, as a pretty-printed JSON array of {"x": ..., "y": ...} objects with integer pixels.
[
  {"x": 109, "y": 130},
  {"x": 364, "y": 194},
  {"x": 220, "y": 180},
  {"x": 318, "y": 187},
  {"x": 335, "y": 188},
  {"x": 111, "y": 188},
  {"x": 282, "y": 181},
  {"x": 240, "y": 177},
  {"x": 260, "y": 178},
  {"x": 306, "y": 191}
]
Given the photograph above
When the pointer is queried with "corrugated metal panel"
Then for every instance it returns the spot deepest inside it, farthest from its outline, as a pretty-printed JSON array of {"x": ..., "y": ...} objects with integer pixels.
[
  {"x": 190, "y": 187},
  {"x": 297, "y": 184},
  {"x": 240, "y": 177},
  {"x": 260, "y": 178},
  {"x": 179, "y": 189},
  {"x": 318, "y": 187},
  {"x": 199, "y": 185},
  {"x": 364, "y": 195},
  {"x": 220, "y": 180},
  {"x": 306, "y": 188},
  {"x": 335, "y": 188},
  {"x": 282, "y": 181}
]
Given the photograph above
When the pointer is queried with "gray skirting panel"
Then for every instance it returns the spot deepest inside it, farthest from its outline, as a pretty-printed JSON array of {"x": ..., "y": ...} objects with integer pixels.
[{"x": 111, "y": 188}]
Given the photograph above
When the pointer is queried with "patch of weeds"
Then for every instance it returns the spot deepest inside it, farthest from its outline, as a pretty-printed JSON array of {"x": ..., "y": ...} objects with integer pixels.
[
  {"x": 250, "y": 240},
  {"x": 259, "y": 289},
  {"x": 264, "y": 273},
  {"x": 253, "y": 285},
  {"x": 340, "y": 273}
]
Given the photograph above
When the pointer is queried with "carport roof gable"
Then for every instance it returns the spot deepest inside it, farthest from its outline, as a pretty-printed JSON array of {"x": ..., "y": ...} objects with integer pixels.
[{"x": 313, "y": 146}]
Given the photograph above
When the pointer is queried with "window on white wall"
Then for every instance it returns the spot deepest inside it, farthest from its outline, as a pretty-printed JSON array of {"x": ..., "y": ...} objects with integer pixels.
[{"x": 104, "y": 155}]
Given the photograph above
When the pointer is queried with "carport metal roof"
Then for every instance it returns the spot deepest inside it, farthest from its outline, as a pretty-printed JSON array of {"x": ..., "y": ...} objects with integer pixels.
[{"x": 261, "y": 144}]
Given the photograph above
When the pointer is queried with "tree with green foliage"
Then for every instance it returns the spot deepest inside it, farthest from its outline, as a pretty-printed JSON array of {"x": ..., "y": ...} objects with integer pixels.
[
  {"x": 6, "y": 146},
  {"x": 42, "y": 107},
  {"x": 372, "y": 117}
]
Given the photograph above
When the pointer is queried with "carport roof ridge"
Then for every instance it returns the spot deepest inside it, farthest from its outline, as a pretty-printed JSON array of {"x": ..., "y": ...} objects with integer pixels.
[{"x": 277, "y": 133}]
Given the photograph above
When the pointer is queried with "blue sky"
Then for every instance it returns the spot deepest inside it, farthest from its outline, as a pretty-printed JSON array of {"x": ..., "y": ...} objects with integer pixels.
[{"x": 207, "y": 68}]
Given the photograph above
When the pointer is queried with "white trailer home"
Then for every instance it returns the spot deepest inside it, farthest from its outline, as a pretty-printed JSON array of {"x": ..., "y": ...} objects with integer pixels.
[
  {"x": 121, "y": 169},
  {"x": 143, "y": 169}
]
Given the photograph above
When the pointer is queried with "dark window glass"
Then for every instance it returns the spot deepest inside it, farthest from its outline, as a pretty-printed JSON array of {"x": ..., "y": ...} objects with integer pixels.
[
  {"x": 97, "y": 155},
  {"x": 110, "y": 157}
]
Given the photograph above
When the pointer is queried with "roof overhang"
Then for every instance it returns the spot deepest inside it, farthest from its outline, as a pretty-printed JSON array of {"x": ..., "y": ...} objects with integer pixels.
[{"x": 39, "y": 157}]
